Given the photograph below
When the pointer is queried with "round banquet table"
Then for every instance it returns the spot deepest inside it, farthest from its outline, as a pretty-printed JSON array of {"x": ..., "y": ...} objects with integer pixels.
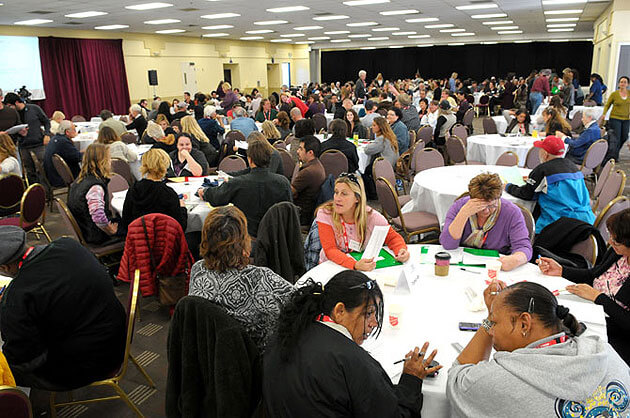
[
  {"x": 84, "y": 140},
  {"x": 434, "y": 307},
  {"x": 436, "y": 189},
  {"x": 599, "y": 110},
  {"x": 488, "y": 148}
]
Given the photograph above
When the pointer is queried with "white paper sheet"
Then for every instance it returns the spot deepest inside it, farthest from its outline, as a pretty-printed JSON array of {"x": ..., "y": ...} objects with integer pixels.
[{"x": 377, "y": 239}]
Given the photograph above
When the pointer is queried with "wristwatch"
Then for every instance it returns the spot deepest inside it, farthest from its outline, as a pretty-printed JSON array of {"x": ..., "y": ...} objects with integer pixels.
[{"x": 487, "y": 324}]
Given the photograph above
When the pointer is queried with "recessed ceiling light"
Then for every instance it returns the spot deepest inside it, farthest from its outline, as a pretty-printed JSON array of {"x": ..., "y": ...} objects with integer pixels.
[
  {"x": 256, "y": 32},
  {"x": 220, "y": 15},
  {"x": 563, "y": 12},
  {"x": 162, "y": 21},
  {"x": 331, "y": 17},
  {"x": 378, "y": 38},
  {"x": 361, "y": 24},
  {"x": 308, "y": 28},
  {"x": 560, "y": 30},
  {"x": 319, "y": 38},
  {"x": 360, "y": 35},
  {"x": 292, "y": 35},
  {"x": 463, "y": 34},
  {"x": 214, "y": 35},
  {"x": 489, "y": 43},
  {"x": 489, "y": 16},
  {"x": 523, "y": 42},
  {"x": 452, "y": 30},
  {"x": 215, "y": 27},
  {"x": 337, "y": 32},
  {"x": 252, "y": 38},
  {"x": 395, "y": 46},
  {"x": 498, "y": 22},
  {"x": 440, "y": 25},
  {"x": 368, "y": 47},
  {"x": 509, "y": 32},
  {"x": 271, "y": 22},
  {"x": 561, "y": 25},
  {"x": 304, "y": 42},
  {"x": 340, "y": 40},
  {"x": 404, "y": 33},
  {"x": 558, "y": 40},
  {"x": 384, "y": 29},
  {"x": 424, "y": 45},
  {"x": 83, "y": 15},
  {"x": 288, "y": 9},
  {"x": 32, "y": 22},
  {"x": 280, "y": 40},
  {"x": 418, "y": 36},
  {"x": 504, "y": 27},
  {"x": 422, "y": 19},
  {"x": 478, "y": 6},
  {"x": 364, "y": 2},
  {"x": 399, "y": 12},
  {"x": 555, "y": 2},
  {"x": 563, "y": 19},
  {"x": 167, "y": 31},
  {"x": 456, "y": 44},
  {"x": 148, "y": 6},
  {"x": 111, "y": 27}
]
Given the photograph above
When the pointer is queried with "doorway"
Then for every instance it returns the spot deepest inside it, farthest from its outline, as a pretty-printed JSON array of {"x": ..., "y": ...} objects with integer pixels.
[
  {"x": 231, "y": 74},
  {"x": 274, "y": 78},
  {"x": 227, "y": 75},
  {"x": 189, "y": 77}
]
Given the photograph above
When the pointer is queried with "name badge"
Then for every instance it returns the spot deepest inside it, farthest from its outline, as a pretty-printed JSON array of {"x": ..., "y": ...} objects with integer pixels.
[{"x": 354, "y": 245}]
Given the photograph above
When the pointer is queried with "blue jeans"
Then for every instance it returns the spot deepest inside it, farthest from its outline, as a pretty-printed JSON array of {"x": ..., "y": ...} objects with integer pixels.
[
  {"x": 535, "y": 99},
  {"x": 617, "y": 136}
]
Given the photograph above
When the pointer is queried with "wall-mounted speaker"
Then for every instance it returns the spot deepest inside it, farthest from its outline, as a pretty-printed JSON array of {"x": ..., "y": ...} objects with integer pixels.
[{"x": 153, "y": 81}]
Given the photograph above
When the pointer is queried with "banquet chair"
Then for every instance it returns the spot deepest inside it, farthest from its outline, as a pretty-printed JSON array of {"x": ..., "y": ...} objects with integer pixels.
[
  {"x": 63, "y": 170},
  {"x": 587, "y": 249},
  {"x": 122, "y": 167},
  {"x": 232, "y": 163},
  {"x": 320, "y": 122},
  {"x": 508, "y": 158},
  {"x": 78, "y": 118},
  {"x": 530, "y": 223},
  {"x": 576, "y": 122},
  {"x": 14, "y": 403},
  {"x": 425, "y": 133},
  {"x": 129, "y": 138},
  {"x": 484, "y": 103},
  {"x": 594, "y": 156},
  {"x": 407, "y": 160},
  {"x": 468, "y": 120},
  {"x": 412, "y": 137},
  {"x": 612, "y": 188},
  {"x": 461, "y": 132},
  {"x": 616, "y": 205},
  {"x": 113, "y": 381},
  {"x": 589, "y": 103},
  {"x": 51, "y": 191},
  {"x": 279, "y": 144},
  {"x": 456, "y": 150},
  {"x": 32, "y": 212},
  {"x": 234, "y": 136},
  {"x": 334, "y": 161},
  {"x": 289, "y": 139},
  {"x": 116, "y": 184},
  {"x": 428, "y": 158},
  {"x": 12, "y": 187},
  {"x": 533, "y": 158},
  {"x": 489, "y": 126},
  {"x": 74, "y": 231},
  {"x": 287, "y": 163},
  {"x": 601, "y": 180},
  {"x": 382, "y": 168},
  {"x": 409, "y": 224}
]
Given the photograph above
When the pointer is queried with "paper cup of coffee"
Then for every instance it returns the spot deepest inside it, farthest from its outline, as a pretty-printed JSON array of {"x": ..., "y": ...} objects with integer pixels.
[
  {"x": 395, "y": 315},
  {"x": 442, "y": 263},
  {"x": 493, "y": 268}
]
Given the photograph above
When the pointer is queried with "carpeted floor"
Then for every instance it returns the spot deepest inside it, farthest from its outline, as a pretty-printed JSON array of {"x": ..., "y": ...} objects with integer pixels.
[{"x": 149, "y": 347}]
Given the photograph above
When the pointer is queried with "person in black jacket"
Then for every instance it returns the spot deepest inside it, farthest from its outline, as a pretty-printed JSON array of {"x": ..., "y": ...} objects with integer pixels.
[
  {"x": 62, "y": 325},
  {"x": 187, "y": 161},
  {"x": 316, "y": 354},
  {"x": 338, "y": 141},
  {"x": 151, "y": 194},
  {"x": 62, "y": 145},
  {"x": 607, "y": 283},
  {"x": 138, "y": 121}
]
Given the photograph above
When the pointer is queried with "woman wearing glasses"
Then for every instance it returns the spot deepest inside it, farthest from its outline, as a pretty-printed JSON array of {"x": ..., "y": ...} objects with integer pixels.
[
  {"x": 485, "y": 220},
  {"x": 540, "y": 368},
  {"x": 346, "y": 223},
  {"x": 607, "y": 283},
  {"x": 316, "y": 354}
]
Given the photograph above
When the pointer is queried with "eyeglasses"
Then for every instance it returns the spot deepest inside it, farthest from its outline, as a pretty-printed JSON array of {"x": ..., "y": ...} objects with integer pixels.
[
  {"x": 492, "y": 206},
  {"x": 350, "y": 176},
  {"x": 369, "y": 285}
]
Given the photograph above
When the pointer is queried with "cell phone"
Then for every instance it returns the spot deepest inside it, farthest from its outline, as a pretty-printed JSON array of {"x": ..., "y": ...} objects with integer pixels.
[
  {"x": 468, "y": 326},
  {"x": 458, "y": 347}
]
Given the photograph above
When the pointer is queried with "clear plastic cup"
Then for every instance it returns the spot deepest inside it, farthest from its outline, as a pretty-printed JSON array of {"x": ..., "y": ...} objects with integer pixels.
[
  {"x": 493, "y": 269},
  {"x": 395, "y": 313}
]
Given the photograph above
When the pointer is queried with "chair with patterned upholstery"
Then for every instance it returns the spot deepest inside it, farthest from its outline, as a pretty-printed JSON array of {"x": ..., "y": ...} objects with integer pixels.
[
  {"x": 468, "y": 120},
  {"x": 279, "y": 144},
  {"x": 461, "y": 132},
  {"x": 587, "y": 249},
  {"x": 334, "y": 161},
  {"x": 32, "y": 212},
  {"x": 576, "y": 122},
  {"x": 425, "y": 134}
]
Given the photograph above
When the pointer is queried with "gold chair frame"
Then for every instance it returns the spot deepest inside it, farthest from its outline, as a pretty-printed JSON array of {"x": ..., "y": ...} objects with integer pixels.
[{"x": 39, "y": 229}]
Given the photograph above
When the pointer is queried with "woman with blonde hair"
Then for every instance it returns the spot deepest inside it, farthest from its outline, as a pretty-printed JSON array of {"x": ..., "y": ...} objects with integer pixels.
[
  {"x": 270, "y": 132},
  {"x": 191, "y": 127},
  {"x": 379, "y": 81},
  {"x": 346, "y": 223},
  {"x": 55, "y": 120},
  {"x": 88, "y": 198},
  {"x": 117, "y": 148},
  {"x": 8, "y": 156},
  {"x": 230, "y": 97},
  {"x": 151, "y": 194}
]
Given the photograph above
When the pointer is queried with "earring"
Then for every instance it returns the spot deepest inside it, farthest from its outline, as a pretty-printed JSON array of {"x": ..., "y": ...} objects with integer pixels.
[{"x": 524, "y": 333}]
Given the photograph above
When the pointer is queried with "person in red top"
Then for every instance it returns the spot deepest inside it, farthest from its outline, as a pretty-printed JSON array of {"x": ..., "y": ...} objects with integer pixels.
[
  {"x": 286, "y": 98},
  {"x": 540, "y": 89},
  {"x": 346, "y": 223}
]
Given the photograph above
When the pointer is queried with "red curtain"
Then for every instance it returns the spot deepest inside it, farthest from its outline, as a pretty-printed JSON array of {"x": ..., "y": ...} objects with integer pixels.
[{"x": 83, "y": 76}]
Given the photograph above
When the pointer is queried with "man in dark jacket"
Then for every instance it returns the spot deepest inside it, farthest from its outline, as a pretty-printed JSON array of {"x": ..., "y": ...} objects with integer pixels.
[
  {"x": 359, "y": 88},
  {"x": 138, "y": 122},
  {"x": 62, "y": 145},
  {"x": 307, "y": 182},
  {"x": 338, "y": 141},
  {"x": 62, "y": 325},
  {"x": 253, "y": 193}
]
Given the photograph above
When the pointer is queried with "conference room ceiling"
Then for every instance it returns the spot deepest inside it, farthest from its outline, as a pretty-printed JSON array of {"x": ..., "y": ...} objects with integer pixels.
[{"x": 363, "y": 26}]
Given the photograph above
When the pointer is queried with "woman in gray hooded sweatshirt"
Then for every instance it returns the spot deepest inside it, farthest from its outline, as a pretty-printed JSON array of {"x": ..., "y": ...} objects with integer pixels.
[{"x": 540, "y": 368}]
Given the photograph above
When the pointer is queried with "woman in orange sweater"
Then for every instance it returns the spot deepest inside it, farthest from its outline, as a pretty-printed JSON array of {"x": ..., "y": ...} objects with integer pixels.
[{"x": 346, "y": 223}]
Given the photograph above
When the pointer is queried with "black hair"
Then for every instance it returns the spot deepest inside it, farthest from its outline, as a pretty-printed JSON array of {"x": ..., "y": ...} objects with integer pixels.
[
  {"x": 626, "y": 77},
  {"x": 619, "y": 227},
  {"x": 105, "y": 114},
  {"x": 311, "y": 143},
  {"x": 338, "y": 127},
  {"x": 598, "y": 77},
  {"x": 313, "y": 299},
  {"x": 164, "y": 109},
  {"x": 398, "y": 112},
  {"x": 12, "y": 98},
  {"x": 522, "y": 110},
  {"x": 541, "y": 303},
  {"x": 304, "y": 127}
]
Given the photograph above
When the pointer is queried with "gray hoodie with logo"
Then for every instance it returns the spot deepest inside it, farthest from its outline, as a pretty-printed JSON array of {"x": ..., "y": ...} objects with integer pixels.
[{"x": 578, "y": 378}]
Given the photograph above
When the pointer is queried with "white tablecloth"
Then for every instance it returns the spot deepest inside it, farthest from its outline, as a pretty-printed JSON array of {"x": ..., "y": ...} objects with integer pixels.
[
  {"x": 329, "y": 117},
  {"x": 436, "y": 189},
  {"x": 87, "y": 126},
  {"x": 364, "y": 159},
  {"x": 433, "y": 310},
  {"x": 599, "y": 111},
  {"x": 357, "y": 107},
  {"x": 84, "y": 140},
  {"x": 501, "y": 124},
  {"x": 488, "y": 148},
  {"x": 197, "y": 208}
]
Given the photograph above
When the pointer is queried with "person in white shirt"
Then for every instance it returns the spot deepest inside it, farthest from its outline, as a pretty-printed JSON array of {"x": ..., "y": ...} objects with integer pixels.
[
  {"x": 431, "y": 117},
  {"x": 8, "y": 161}
]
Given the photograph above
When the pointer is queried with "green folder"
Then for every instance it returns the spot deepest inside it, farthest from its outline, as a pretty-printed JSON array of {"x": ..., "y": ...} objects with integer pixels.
[
  {"x": 388, "y": 259},
  {"x": 482, "y": 252}
]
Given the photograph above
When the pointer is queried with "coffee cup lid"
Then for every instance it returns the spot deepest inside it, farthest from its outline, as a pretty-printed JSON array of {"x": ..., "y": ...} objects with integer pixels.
[{"x": 443, "y": 255}]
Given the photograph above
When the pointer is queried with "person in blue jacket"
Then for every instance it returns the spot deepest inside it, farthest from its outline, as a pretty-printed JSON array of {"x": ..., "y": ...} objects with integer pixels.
[
  {"x": 579, "y": 146},
  {"x": 598, "y": 88},
  {"x": 62, "y": 145}
]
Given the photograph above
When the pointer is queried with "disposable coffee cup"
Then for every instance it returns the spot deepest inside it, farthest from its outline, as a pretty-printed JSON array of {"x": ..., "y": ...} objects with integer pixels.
[
  {"x": 442, "y": 263},
  {"x": 395, "y": 315},
  {"x": 493, "y": 268}
]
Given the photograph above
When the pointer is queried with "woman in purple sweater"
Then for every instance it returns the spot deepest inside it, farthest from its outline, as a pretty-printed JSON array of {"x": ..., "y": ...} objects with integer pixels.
[{"x": 485, "y": 220}]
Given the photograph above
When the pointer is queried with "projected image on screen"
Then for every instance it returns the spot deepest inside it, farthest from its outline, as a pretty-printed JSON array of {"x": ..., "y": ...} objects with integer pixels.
[{"x": 21, "y": 65}]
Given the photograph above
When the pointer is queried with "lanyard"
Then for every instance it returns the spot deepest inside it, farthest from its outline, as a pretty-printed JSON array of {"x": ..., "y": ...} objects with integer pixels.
[
  {"x": 325, "y": 318},
  {"x": 555, "y": 341},
  {"x": 26, "y": 254},
  {"x": 345, "y": 236},
  {"x": 267, "y": 115}
]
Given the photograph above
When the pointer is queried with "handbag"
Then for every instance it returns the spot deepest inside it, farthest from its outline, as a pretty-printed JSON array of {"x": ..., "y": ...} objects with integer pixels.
[{"x": 170, "y": 288}]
